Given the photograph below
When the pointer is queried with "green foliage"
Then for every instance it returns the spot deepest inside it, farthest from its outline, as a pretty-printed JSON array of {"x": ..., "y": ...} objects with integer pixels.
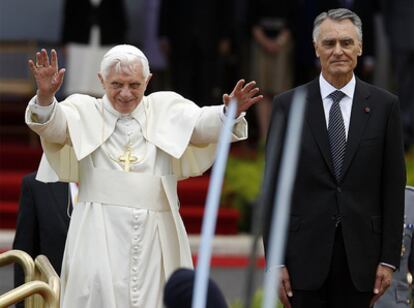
[
  {"x": 242, "y": 184},
  {"x": 410, "y": 167},
  {"x": 257, "y": 301}
]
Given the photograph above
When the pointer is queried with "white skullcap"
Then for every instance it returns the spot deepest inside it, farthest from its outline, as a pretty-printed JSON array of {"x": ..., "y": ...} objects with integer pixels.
[
  {"x": 125, "y": 49},
  {"x": 123, "y": 53}
]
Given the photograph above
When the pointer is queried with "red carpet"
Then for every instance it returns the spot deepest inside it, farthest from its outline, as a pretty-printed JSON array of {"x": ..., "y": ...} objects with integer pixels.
[{"x": 231, "y": 261}]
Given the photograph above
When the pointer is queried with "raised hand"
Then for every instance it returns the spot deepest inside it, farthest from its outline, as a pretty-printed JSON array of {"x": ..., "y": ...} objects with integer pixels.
[
  {"x": 47, "y": 75},
  {"x": 245, "y": 94}
]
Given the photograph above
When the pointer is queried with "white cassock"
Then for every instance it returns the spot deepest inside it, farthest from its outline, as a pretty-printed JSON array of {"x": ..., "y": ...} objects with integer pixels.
[{"x": 126, "y": 235}]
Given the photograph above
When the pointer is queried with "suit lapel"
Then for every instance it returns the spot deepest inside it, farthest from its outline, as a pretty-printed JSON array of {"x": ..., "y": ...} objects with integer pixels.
[
  {"x": 317, "y": 122},
  {"x": 361, "y": 109}
]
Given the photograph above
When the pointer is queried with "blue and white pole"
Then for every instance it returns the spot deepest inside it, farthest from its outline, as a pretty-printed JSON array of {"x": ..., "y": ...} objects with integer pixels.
[{"x": 210, "y": 212}]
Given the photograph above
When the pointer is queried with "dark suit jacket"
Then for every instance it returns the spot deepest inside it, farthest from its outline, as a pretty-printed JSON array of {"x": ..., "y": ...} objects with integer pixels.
[
  {"x": 369, "y": 197},
  {"x": 42, "y": 223},
  {"x": 80, "y": 15}
]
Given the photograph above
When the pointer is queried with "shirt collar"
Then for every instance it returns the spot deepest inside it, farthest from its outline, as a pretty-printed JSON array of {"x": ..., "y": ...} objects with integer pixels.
[{"x": 327, "y": 88}]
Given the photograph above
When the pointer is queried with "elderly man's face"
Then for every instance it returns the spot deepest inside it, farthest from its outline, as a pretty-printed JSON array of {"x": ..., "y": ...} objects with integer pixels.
[
  {"x": 125, "y": 89},
  {"x": 338, "y": 48}
]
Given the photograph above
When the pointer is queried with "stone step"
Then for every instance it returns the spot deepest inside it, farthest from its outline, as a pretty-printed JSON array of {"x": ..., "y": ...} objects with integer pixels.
[
  {"x": 230, "y": 246},
  {"x": 227, "y": 219}
]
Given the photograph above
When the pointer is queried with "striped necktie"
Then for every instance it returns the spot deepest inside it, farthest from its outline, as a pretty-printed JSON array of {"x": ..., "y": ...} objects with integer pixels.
[{"x": 336, "y": 133}]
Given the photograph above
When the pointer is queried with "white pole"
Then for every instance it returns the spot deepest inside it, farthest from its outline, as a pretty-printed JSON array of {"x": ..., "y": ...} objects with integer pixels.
[
  {"x": 281, "y": 204},
  {"x": 210, "y": 212}
]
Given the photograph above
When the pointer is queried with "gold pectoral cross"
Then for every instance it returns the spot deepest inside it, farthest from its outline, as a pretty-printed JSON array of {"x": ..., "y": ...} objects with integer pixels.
[{"x": 127, "y": 159}]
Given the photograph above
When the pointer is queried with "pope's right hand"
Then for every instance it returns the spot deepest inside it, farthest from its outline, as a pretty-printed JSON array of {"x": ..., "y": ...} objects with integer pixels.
[{"x": 48, "y": 76}]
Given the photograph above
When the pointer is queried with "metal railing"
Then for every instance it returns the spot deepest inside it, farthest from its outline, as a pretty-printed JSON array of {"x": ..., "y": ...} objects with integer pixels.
[{"x": 42, "y": 285}]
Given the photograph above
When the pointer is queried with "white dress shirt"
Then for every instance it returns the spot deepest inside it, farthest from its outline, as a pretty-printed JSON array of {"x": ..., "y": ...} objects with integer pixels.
[{"x": 345, "y": 104}]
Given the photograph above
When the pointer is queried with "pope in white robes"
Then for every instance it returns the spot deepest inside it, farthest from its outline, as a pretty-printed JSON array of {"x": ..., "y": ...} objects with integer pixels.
[{"x": 126, "y": 151}]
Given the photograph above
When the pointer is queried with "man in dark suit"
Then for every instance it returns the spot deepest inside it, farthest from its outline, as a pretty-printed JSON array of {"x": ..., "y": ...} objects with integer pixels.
[
  {"x": 90, "y": 28},
  {"x": 344, "y": 237},
  {"x": 43, "y": 221},
  {"x": 81, "y": 15}
]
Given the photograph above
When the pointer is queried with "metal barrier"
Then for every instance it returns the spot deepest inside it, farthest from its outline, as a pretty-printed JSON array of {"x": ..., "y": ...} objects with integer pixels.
[
  {"x": 41, "y": 281},
  {"x": 26, "y": 262},
  {"x": 44, "y": 271}
]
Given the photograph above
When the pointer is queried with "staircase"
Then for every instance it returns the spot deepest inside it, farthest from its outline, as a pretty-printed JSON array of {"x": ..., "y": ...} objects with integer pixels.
[
  {"x": 20, "y": 154},
  {"x": 192, "y": 194}
]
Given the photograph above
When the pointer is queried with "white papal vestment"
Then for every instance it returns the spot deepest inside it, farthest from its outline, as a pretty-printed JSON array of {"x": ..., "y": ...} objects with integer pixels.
[{"x": 126, "y": 235}]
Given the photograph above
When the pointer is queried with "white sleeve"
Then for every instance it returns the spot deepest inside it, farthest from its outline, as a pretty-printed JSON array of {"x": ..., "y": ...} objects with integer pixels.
[
  {"x": 49, "y": 122},
  {"x": 43, "y": 113},
  {"x": 210, "y": 122}
]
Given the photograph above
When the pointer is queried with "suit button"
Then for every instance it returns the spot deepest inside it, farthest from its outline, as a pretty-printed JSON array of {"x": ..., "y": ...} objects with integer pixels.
[
  {"x": 337, "y": 218},
  {"x": 338, "y": 189}
]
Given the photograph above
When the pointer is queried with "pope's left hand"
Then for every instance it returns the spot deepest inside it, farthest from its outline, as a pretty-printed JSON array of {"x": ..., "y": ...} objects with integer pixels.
[{"x": 245, "y": 94}]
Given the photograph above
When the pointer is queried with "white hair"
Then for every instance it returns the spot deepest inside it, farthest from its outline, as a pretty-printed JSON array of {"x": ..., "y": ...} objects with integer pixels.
[
  {"x": 124, "y": 58},
  {"x": 337, "y": 15}
]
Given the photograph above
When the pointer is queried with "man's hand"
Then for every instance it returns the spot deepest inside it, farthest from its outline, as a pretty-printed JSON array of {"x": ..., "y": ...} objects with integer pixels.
[
  {"x": 285, "y": 289},
  {"x": 245, "y": 94},
  {"x": 47, "y": 75},
  {"x": 382, "y": 282}
]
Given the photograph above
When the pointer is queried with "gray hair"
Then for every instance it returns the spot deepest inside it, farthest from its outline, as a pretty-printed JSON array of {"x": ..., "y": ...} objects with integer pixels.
[
  {"x": 337, "y": 15},
  {"x": 124, "y": 58}
]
